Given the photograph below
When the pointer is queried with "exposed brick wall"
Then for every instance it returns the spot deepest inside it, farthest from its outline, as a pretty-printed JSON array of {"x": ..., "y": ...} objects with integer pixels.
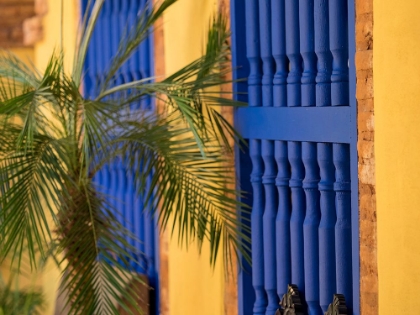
[
  {"x": 21, "y": 22},
  {"x": 366, "y": 128}
]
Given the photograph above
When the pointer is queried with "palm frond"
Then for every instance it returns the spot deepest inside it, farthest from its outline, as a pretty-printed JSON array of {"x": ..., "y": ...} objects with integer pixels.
[
  {"x": 30, "y": 183},
  {"x": 97, "y": 253},
  {"x": 53, "y": 141},
  {"x": 190, "y": 189}
]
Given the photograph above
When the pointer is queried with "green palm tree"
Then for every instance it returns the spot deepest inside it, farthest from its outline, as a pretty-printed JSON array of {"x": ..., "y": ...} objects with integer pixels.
[{"x": 53, "y": 140}]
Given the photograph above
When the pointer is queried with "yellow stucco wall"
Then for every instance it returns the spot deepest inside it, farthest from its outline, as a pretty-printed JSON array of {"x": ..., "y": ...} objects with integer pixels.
[
  {"x": 397, "y": 150},
  {"x": 193, "y": 287}
]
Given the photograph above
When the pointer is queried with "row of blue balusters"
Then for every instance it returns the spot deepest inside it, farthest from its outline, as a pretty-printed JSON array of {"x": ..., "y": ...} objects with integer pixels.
[
  {"x": 301, "y": 220},
  {"x": 115, "y": 180}
]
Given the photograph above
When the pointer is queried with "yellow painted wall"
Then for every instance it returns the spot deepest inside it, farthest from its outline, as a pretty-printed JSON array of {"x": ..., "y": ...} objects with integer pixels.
[
  {"x": 194, "y": 288},
  {"x": 397, "y": 150},
  {"x": 42, "y": 53}
]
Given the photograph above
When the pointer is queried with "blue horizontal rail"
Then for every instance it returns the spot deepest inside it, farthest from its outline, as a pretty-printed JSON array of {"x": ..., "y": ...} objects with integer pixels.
[{"x": 296, "y": 123}]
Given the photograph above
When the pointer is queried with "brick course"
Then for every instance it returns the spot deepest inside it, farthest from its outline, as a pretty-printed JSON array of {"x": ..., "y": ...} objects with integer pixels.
[
  {"x": 366, "y": 128},
  {"x": 20, "y": 22}
]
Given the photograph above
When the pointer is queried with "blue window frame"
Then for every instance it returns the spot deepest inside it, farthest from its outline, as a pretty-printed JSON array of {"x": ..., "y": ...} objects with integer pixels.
[{"x": 301, "y": 166}]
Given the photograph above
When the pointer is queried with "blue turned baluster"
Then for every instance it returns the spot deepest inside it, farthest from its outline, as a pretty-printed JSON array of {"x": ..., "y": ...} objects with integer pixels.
[
  {"x": 255, "y": 99},
  {"x": 323, "y": 53},
  {"x": 266, "y": 52},
  {"x": 257, "y": 227},
  {"x": 339, "y": 50},
  {"x": 267, "y": 149},
  {"x": 253, "y": 53},
  {"x": 298, "y": 213},
  {"x": 120, "y": 193},
  {"x": 327, "y": 225},
  {"x": 278, "y": 35},
  {"x": 145, "y": 65},
  {"x": 283, "y": 218},
  {"x": 342, "y": 187},
  {"x": 105, "y": 42},
  {"x": 149, "y": 240},
  {"x": 293, "y": 53},
  {"x": 307, "y": 50},
  {"x": 269, "y": 220},
  {"x": 115, "y": 25},
  {"x": 283, "y": 259},
  {"x": 310, "y": 227}
]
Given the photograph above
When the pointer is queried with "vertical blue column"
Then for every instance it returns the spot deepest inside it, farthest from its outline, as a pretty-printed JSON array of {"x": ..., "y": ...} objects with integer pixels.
[
  {"x": 283, "y": 218},
  {"x": 307, "y": 50},
  {"x": 323, "y": 53},
  {"x": 145, "y": 66},
  {"x": 269, "y": 221},
  {"x": 283, "y": 258},
  {"x": 278, "y": 42},
  {"x": 267, "y": 150},
  {"x": 123, "y": 26},
  {"x": 119, "y": 193},
  {"x": 339, "y": 50},
  {"x": 327, "y": 225},
  {"x": 255, "y": 99},
  {"x": 266, "y": 52},
  {"x": 115, "y": 25},
  {"x": 257, "y": 227},
  {"x": 298, "y": 213},
  {"x": 293, "y": 53},
  {"x": 149, "y": 248},
  {"x": 253, "y": 53},
  {"x": 310, "y": 227},
  {"x": 105, "y": 40},
  {"x": 342, "y": 187},
  {"x": 129, "y": 203}
]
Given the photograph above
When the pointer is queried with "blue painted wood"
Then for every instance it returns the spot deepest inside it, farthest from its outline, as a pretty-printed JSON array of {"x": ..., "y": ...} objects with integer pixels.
[
  {"x": 253, "y": 53},
  {"x": 284, "y": 269},
  {"x": 115, "y": 181},
  {"x": 266, "y": 52},
  {"x": 311, "y": 42},
  {"x": 310, "y": 227},
  {"x": 119, "y": 192},
  {"x": 298, "y": 213},
  {"x": 354, "y": 161},
  {"x": 278, "y": 35},
  {"x": 339, "y": 50},
  {"x": 257, "y": 227},
  {"x": 255, "y": 99},
  {"x": 149, "y": 250},
  {"x": 269, "y": 223},
  {"x": 307, "y": 51},
  {"x": 323, "y": 53},
  {"x": 342, "y": 187},
  {"x": 327, "y": 225},
  {"x": 296, "y": 123},
  {"x": 293, "y": 53},
  {"x": 267, "y": 152},
  {"x": 246, "y": 295}
]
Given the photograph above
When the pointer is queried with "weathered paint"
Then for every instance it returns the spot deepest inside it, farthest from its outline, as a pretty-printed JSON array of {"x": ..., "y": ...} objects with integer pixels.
[{"x": 397, "y": 150}]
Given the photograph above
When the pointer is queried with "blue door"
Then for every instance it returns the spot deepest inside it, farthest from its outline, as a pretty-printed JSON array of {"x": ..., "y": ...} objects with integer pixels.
[
  {"x": 114, "y": 180},
  {"x": 301, "y": 163}
]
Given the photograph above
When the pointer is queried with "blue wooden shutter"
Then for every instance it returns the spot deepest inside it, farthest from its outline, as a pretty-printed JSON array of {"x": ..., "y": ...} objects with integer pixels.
[
  {"x": 302, "y": 161},
  {"x": 115, "y": 179}
]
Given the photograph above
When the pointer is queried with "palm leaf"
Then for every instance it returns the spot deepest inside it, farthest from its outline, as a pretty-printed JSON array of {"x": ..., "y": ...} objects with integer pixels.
[{"x": 54, "y": 140}]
